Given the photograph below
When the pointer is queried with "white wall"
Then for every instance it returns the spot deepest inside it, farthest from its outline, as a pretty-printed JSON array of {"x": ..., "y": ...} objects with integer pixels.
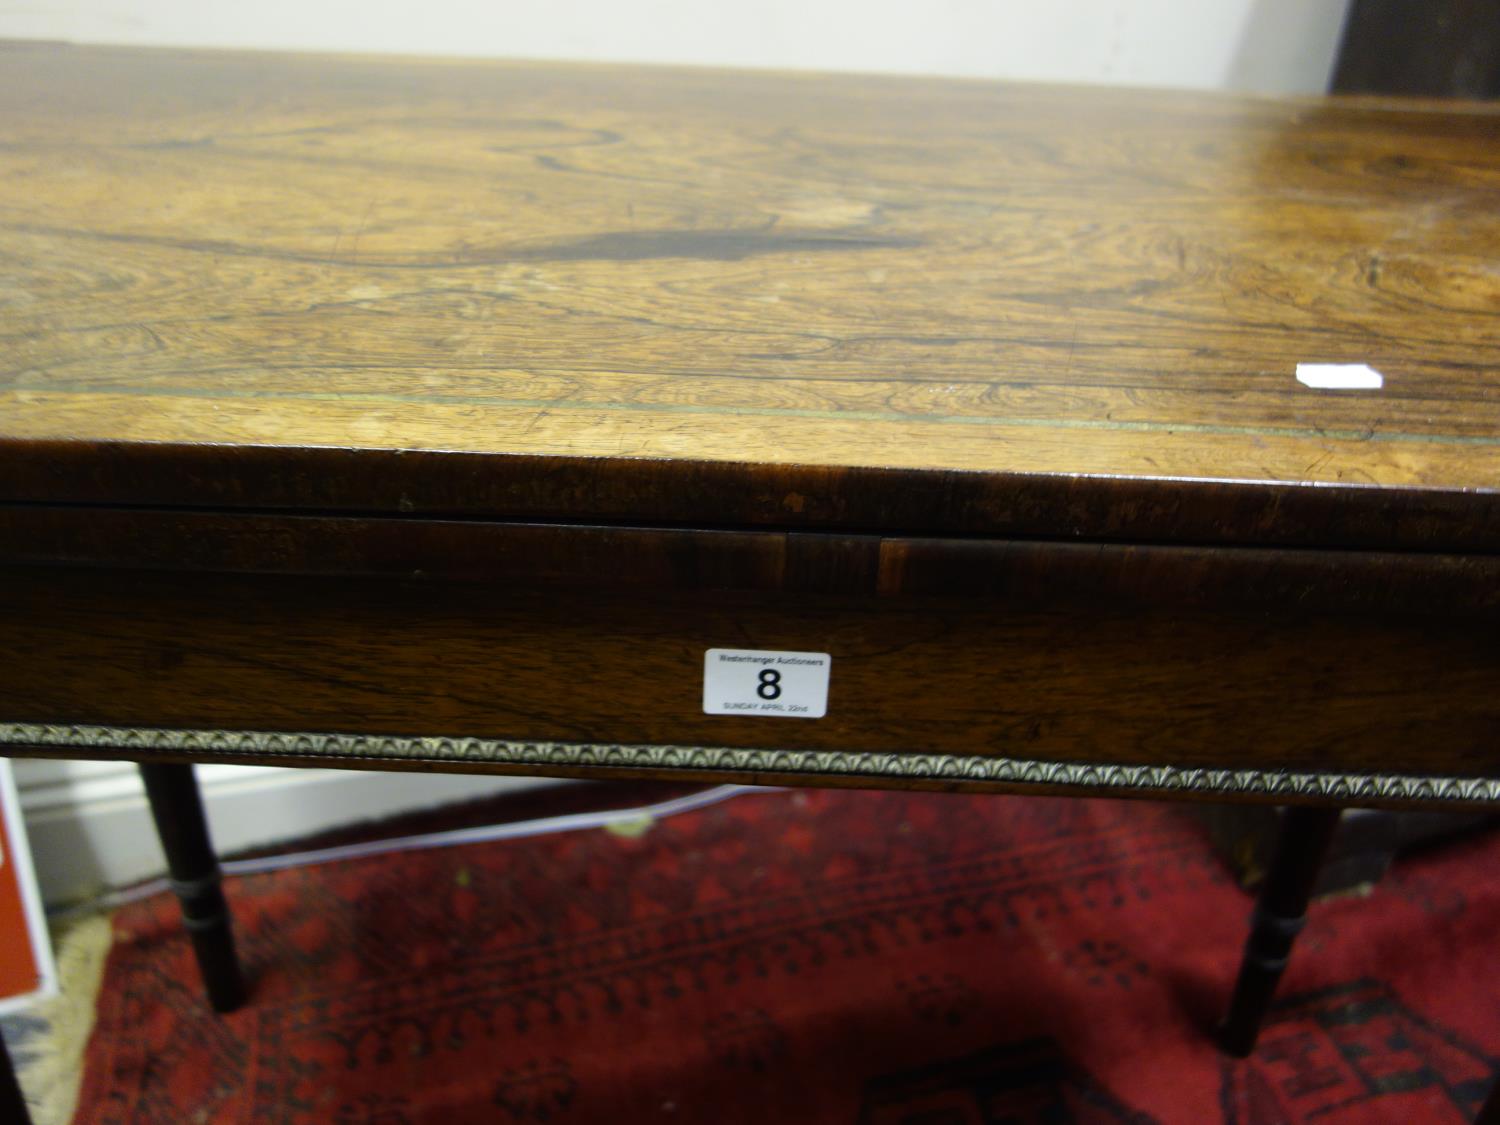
[
  {"x": 88, "y": 820},
  {"x": 1262, "y": 45},
  {"x": 90, "y": 828}
]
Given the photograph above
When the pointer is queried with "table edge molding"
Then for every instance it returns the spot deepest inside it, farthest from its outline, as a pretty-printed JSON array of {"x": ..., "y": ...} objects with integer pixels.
[{"x": 950, "y": 768}]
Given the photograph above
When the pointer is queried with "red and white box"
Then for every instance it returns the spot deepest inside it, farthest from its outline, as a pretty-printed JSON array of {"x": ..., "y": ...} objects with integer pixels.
[{"x": 27, "y": 970}]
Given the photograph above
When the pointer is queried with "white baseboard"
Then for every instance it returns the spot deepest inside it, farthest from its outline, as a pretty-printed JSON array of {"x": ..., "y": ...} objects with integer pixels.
[{"x": 90, "y": 828}]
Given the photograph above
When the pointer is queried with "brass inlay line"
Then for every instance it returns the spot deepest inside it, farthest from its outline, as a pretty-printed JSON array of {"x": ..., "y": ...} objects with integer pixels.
[{"x": 1337, "y": 786}]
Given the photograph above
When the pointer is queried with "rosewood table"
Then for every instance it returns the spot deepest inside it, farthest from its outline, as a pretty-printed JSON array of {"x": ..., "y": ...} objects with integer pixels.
[{"x": 603, "y": 421}]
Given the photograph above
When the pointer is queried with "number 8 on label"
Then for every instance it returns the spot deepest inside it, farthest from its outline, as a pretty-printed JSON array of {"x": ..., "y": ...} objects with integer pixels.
[{"x": 765, "y": 683}]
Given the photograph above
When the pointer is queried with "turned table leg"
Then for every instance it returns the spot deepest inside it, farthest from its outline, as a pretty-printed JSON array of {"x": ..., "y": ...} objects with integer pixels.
[
  {"x": 12, "y": 1104},
  {"x": 1489, "y": 1113},
  {"x": 194, "y": 875},
  {"x": 1279, "y": 914}
]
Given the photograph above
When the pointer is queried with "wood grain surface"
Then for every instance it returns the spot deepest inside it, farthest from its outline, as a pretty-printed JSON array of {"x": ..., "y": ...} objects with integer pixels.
[
  {"x": 593, "y": 285},
  {"x": 1231, "y": 686},
  {"x": 539, "y": 556}
]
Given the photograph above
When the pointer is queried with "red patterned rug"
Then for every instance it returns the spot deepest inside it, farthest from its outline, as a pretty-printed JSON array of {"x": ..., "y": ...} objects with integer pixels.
[{"x": 808, "y": 957}]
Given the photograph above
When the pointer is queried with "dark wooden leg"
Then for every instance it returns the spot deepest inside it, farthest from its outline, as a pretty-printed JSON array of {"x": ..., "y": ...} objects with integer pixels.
[
  {"x": 194, "y": 870},
  {"x": 1279, "y": 914},
  {"x": 12, "y": 1104},
  {"x": 1489, "y": 1113}
]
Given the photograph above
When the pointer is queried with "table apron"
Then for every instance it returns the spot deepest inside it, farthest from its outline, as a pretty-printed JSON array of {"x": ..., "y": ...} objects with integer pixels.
[{"x": 1011, "y": 693}]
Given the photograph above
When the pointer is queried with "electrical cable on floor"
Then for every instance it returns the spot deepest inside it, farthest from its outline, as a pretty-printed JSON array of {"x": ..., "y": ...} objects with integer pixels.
[{"x": 570, "y": 822}]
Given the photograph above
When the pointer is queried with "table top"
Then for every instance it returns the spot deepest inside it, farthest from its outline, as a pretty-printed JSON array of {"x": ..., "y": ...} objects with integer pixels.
[{"x": 674, "y": 295}]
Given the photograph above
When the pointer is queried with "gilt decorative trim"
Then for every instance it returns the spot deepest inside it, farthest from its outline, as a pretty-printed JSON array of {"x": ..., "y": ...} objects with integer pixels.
[{"x": 269, "y": 745}]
